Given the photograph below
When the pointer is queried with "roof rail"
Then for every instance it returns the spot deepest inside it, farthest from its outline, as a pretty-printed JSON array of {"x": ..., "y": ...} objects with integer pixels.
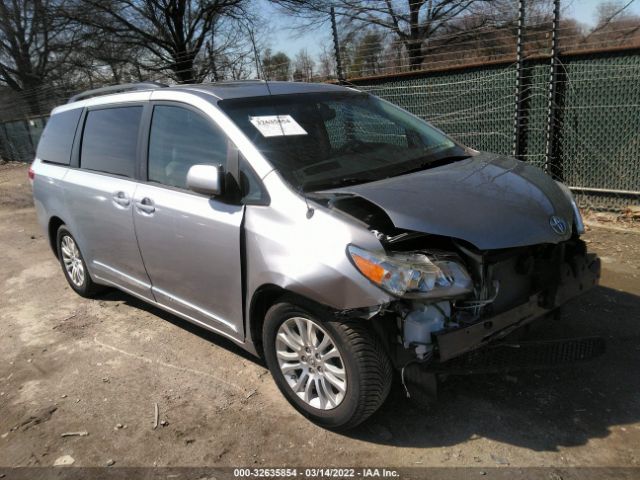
[
  {"x": 241, "y": 80},
  {"x": 124, "y": 87}
]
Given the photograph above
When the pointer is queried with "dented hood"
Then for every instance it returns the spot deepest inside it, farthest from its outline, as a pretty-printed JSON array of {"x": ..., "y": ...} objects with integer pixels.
[{"x": 489, "y": 200}]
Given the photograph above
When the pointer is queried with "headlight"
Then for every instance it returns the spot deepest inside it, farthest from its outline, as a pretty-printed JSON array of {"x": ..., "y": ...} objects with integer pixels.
[
  {"x": 412, "y": 275},
  {"x": 577, "y": 217}
]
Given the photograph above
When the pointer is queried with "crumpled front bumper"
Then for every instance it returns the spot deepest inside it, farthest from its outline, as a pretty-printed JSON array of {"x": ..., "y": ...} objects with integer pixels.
[{"x": 575, "y": 278}]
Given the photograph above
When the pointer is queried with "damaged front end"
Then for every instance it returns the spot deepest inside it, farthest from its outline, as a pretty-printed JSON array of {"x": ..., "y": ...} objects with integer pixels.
[
  {"x": 453, "y": 298},
  {"x": 508, "y": 288}
]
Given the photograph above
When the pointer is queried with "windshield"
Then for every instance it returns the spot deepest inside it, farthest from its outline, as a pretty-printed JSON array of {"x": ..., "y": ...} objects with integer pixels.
[{"x": 325, "y": 140}]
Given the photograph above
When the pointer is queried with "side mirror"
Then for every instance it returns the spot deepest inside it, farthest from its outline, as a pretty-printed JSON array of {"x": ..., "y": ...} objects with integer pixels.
[{"x": 206, "y": 179}]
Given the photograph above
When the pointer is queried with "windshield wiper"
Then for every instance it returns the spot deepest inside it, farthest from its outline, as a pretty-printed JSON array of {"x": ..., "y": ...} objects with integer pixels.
[
  {"x": 346, "y": 181},
  {"x": 337, "y": 182},
  {"x": 433, "y": 163}
]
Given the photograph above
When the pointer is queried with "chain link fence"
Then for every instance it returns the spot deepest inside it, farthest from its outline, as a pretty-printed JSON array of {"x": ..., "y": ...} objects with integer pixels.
[
  {"x": 596, "y": 107},
  {"x": 597, "y": 136},
  {"x": 19, "y": 138}
]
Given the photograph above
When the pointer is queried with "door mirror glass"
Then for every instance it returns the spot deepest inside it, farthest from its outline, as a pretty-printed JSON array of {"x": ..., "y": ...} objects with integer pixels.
[{"x": 206, "y": 179}]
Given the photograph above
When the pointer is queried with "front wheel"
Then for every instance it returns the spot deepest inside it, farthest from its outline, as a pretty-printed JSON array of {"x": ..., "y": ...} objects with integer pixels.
[{"x": 335, "y": 373}]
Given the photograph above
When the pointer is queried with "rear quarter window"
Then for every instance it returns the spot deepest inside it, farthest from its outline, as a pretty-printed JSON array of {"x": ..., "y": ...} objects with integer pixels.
[
  {"x": 110, "y": 140},
  {"x": 57, "y": 138}
]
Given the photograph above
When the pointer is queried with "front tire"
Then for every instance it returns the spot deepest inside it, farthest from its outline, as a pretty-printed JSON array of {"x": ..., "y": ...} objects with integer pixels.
[
  {"x": 73, "y": 264},
  {"x": 335, "y": 373}
]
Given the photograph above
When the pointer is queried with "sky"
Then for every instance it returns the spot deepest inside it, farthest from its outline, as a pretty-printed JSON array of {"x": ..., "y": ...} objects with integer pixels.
[
  {"x": 585, "y": 10},
  {"x": 283, "y": 38}
]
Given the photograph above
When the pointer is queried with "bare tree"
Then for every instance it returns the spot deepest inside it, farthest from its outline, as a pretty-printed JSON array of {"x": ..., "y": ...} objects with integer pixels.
[
  {"x": 488, "y": 32},
  {"x": 101, "y": 59},
  {"x": 303, "y": 67},
  {"x": 276, "y": 66},
  {"x": 368, "y": 54},
  {"x": 172, "y": 33},
  {"x": 34, "y": 45},
  {"x": 326, "y": 63},
  {"x": 230, "y": 50},
  {"x": 615, "y": 25},
  {"x": 413, "y": 22},
  {"x": 231, "y": 64},
  {"x": 612, "y": 10}
]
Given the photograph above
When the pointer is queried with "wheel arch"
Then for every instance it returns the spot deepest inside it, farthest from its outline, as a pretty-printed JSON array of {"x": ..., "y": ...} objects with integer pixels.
[
  {"x": 264, "y": 298},
  {"x": 55, "y": 223}
]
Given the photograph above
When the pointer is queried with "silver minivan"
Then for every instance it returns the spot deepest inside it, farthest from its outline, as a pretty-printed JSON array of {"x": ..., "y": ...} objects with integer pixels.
[{"x": 330, "y": 232}]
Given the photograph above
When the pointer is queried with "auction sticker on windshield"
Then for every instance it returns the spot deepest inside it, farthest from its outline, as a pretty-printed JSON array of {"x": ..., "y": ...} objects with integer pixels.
[{"x": 277, "y": 125}]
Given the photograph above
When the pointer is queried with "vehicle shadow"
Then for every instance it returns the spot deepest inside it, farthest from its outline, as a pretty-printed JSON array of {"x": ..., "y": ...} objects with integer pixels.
[
  {"x": 211, "y": 337},
  {"x": 541, "y": 410}
]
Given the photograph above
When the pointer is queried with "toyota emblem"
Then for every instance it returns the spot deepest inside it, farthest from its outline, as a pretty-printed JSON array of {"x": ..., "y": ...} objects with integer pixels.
[{"x": 558, "y": 225}]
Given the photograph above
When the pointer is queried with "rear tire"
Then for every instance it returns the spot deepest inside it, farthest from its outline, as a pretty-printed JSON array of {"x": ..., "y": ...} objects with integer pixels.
[
  {"x": 73, "y": 264},
  {"x": 360, "y": 360}
]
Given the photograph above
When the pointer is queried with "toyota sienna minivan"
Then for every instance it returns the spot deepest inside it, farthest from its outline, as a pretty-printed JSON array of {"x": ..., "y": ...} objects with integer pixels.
[{"x": 334, "y": 234}]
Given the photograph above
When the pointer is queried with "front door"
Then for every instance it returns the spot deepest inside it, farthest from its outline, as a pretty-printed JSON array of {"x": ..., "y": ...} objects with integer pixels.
[{"x": 190, "y": 243}]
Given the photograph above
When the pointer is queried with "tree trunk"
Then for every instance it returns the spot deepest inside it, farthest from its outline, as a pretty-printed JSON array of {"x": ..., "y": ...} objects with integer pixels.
[
  {"x": 34, "y": 105},
  {"x": 31, "y": 87},
  {"x": 414, "y": 42},
  {"x": 183, "y": 67},
  {"x": 416, "y": 55}
]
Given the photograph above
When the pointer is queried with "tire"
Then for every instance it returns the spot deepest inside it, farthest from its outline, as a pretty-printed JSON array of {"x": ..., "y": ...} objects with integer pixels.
[
  {"x": 65, "y": 243},
  {"x": 365, "y": 366}
]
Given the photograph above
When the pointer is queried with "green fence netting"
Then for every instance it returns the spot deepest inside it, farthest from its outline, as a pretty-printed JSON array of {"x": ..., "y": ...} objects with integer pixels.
[
  {"x": 598, "y": 111},
  {"x": 597, "y": 149}
]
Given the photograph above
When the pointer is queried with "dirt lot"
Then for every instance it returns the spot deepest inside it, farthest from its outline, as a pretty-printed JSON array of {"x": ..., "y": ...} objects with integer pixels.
[{"x": 68, "y": 364}]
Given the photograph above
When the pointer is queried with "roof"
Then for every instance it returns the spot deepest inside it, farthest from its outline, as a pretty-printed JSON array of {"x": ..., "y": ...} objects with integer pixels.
[
  {"x": 212, "y": 92},
  {"x": 257, "y": 88}
]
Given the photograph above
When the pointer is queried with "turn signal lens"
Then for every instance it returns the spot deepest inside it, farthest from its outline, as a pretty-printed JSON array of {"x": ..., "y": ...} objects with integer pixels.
[{"x": 368, "y": 268}]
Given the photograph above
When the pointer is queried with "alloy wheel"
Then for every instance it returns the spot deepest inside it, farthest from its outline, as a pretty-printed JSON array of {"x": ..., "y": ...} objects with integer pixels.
[
  {"x": 311, "y": 363},
  {"x": 72, "y": 260}
]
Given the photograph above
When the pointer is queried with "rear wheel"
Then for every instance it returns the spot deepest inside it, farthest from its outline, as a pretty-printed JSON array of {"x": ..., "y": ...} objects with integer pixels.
[
  {"x": 335, "y": 373},
  {"x": 73, "y": 264}
]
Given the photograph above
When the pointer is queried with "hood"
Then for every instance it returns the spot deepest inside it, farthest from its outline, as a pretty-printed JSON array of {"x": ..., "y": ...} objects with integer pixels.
[{"x": 489, "y": 200}]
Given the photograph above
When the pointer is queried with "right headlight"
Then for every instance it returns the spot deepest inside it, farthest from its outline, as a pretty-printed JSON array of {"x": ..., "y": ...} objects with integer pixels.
[{"x": 412, "y": 275}]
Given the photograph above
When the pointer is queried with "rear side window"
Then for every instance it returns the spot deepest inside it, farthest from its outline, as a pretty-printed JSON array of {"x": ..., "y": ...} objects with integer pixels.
[
  {"x": 110, "y": 140},
  {"x": 180, "y": 138},
  {"x": 57, "y": 139}
]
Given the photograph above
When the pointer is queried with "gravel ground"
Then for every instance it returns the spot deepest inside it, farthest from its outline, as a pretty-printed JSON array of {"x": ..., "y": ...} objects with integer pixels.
[{"x": 68, "y": 364}]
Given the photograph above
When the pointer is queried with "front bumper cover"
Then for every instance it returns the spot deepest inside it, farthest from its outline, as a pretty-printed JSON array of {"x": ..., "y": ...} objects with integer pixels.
[{"x": 575, "y": 279}]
